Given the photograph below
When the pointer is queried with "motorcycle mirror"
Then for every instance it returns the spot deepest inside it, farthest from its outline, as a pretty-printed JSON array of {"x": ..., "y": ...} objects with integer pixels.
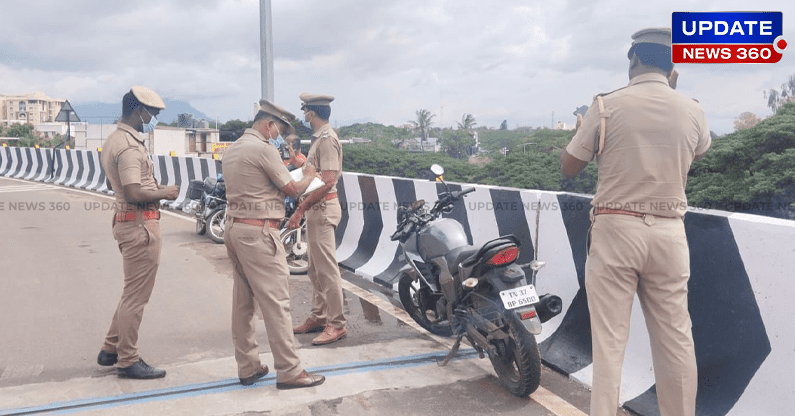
[
  {"x": 437, "y": 170},
  {"x": 537, "y": 265}
]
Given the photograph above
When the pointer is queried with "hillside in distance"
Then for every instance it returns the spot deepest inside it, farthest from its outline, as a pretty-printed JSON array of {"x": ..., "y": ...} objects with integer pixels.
[{"x": 97, "y": 113}]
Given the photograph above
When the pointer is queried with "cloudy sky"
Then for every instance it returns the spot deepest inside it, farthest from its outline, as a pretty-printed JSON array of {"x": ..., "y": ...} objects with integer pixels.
[{"x": 514, "y": 60}]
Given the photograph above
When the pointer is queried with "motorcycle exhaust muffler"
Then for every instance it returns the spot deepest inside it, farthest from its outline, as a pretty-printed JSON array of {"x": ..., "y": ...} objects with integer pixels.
[{"x": 548, "y": 307}]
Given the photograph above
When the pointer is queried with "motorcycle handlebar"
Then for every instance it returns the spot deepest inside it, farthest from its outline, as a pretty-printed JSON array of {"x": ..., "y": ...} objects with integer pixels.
[
  {"x": 413, "y": 216},
  {"x": 463, "y": 192}
]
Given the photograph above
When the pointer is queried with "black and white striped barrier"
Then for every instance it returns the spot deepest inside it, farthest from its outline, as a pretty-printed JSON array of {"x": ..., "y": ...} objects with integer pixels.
[
  {"x": 25, "y": 163},
  {"x": 740, "y": 297},
  {"x": 82, "y": 168},
  {"x": 740, "y": 294},
  {"x": 171, "y": 170},
  {"x": 79, "y": 169}
]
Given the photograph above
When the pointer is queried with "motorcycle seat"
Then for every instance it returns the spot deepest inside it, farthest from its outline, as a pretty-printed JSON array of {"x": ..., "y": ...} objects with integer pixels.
[
  {"x": 458, "y": 256},
  {"x": 507, "y": 240}
]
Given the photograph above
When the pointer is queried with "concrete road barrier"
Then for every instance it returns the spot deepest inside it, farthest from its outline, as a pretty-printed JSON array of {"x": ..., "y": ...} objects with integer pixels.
[{"x": 740, "y": 291}]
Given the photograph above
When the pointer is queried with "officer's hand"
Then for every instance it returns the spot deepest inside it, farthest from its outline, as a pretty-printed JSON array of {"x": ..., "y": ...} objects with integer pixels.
[
  {"x": 173, "y": 192},
  {"x": 673, "y": 78},
  {"x": 295, "y": 220},
  {"x": 309, "y": 170}
]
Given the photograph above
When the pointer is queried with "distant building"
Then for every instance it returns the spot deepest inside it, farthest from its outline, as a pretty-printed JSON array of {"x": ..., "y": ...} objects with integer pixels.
[
  {"x": 431, "y": 144},
  {"x": 34, "y": 108},
  {"x": 186, "y": 120},
  {"x": 162, "y": 141},
  {"x": 355, "y": 140},
  {"x": 563, "y": 126}
]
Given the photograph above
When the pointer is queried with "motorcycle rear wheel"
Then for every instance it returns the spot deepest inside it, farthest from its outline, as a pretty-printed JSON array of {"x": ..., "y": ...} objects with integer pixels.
[
  {"x": 518, "y": 361},
  {"x": 215, "y": 224},
  {"x": 296, "y": 249},
  {"x": 418, "y": 301}
]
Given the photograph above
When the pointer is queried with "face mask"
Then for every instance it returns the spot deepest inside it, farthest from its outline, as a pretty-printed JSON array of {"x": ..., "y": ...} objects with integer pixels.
[
  {"x": 307, "y": 124},
  {"x": 278, "y": 142},
  {"x": 149, "y": 127}
]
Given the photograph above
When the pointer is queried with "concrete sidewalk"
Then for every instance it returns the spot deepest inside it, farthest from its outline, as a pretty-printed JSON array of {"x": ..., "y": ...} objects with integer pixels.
[{"x": 205, "y": 388}]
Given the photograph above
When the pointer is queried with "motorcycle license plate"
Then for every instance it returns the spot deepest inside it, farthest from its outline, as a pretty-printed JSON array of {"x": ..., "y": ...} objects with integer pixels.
[{"x": 519, "y": 296}]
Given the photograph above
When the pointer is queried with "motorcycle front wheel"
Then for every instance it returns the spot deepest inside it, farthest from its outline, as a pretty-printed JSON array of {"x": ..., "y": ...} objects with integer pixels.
[
  {"x": 296, "y": 248},
  {"x": 420, "y": 303},
  {"x": 215, "y": 224},
  {"x": 517, "y": 361}
]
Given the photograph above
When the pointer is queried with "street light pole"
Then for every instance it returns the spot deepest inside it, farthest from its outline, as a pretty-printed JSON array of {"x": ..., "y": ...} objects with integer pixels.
[{"x": 266, "y": 49}]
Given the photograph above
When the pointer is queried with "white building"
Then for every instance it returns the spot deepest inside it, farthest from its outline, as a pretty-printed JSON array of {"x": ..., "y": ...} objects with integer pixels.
[
  {"x": 181, "y": 141},
  {"x": 162, "y": 141},
  {"x": 563, "y": 126},
  {"x": 431, "y": 144}
]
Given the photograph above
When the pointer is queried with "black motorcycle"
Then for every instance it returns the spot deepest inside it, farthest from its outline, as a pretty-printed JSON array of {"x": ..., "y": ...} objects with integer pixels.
[
  {"x": 296, "y": 246},
  {"x": 208, "y": 204},
  {"x": 475, "y": 292}
]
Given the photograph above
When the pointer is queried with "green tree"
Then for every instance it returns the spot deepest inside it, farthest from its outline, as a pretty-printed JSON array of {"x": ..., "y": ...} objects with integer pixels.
[
  {"x": 457, "y": 143},
  {"x": 776, "y": 99},
  {"x": 232, "y": 129},
  {"x": 423, "y": 123},
  {"x": 467, "y": 122},
  {"x": 750, "y": 170},
  {"x": 25, "y": 132}
]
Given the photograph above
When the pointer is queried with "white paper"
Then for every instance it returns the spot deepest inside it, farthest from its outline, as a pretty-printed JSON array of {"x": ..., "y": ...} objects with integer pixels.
[{"x": 316, "y": 183}]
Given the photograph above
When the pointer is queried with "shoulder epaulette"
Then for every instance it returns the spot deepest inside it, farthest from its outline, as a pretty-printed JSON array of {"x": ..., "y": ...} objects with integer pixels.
[{"x": 608, "y": 93}]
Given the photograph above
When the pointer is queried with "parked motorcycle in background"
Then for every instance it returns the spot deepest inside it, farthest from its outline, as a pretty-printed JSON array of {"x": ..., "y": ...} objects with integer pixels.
[
  {"x": 295, "y": 244},
  {"x": 475, "y": 292},
  {"x": 208, "y": 204}
]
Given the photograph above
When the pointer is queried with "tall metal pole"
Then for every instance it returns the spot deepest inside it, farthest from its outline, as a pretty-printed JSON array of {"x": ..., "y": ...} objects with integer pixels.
[{"x": 266, "y": 49}]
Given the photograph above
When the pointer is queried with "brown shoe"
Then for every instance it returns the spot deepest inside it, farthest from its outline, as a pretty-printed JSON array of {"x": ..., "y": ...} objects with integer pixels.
[
  {"x": 329, "y": 335},
  {"x": 262, "y": 371},
  {"x": 303, "y": 380},
  {"x": 310, "y": 325}
]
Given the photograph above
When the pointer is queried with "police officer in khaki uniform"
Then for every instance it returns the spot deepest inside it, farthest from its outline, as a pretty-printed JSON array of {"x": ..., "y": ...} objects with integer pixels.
[
  {"x": 323, "y": 214},
  {"x": 256, "y": 183},
  {"x": 644, "y": 137},
  {"x": 136, "y": 227}
]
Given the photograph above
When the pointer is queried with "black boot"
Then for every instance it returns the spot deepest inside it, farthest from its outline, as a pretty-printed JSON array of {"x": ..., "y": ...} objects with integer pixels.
[
  {"x": 107, "y": 358},
  {"x": 142, "y": 371}
]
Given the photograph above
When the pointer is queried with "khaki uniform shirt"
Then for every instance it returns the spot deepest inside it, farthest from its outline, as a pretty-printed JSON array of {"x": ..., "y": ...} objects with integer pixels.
[
  {"x": 652, "y": 135},
  {"x": 254, "y": 173},
  {"x": 126, "y": 161},
  {"x": 325, "y": 153}
]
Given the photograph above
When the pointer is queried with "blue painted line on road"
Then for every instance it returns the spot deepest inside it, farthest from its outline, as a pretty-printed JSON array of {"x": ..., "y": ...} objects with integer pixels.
[{"x": 227, "y": 385}]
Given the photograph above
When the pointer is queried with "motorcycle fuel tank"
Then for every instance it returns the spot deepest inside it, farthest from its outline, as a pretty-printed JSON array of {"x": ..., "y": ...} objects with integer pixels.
[{"x": 440, "y": 237}]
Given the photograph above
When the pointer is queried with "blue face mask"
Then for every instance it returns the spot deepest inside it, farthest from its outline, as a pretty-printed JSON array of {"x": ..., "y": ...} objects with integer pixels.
[
  {"x": 307, "y": 124},
  {"x": 149, "y": 127},
  {"x": 278, "y": 142}
]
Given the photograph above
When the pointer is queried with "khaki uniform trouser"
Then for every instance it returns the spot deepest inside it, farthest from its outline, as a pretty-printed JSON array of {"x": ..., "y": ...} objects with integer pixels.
[
  {"x": 260, "y": 275},
  {"x": 139, "y": 243},
  {"x": 324, "y": 273},
  {"x": 648, "y": 256}
]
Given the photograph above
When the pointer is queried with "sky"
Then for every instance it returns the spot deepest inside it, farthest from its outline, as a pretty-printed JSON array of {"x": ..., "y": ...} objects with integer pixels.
[{"x": 531, "y": 63}]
